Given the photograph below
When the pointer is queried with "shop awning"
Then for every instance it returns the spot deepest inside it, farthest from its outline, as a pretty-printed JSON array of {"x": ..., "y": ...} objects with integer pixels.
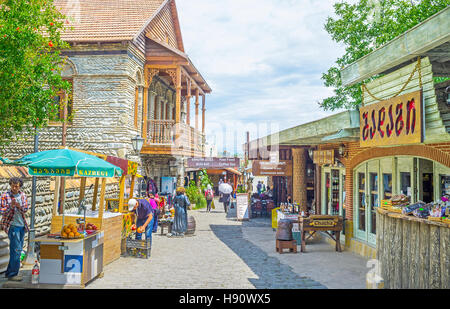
[
  {"x": 344, "y": 135},
  {"x": 430, "y": 38},
  {"x": 312, "y": 133},
  {"x": 232, "y": 170}
]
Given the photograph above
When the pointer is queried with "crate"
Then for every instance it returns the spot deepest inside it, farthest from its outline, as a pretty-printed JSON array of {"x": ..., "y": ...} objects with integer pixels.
[
  {"x": 138, "y": 248},
  {"x": 386, "y": 204}
]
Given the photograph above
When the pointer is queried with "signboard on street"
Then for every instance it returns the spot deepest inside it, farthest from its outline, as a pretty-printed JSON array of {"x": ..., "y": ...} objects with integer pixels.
[
  {"x": 242, "y": 207},
  {"x": 213, "y": 162},
  {"x": 266, "y": 168}
]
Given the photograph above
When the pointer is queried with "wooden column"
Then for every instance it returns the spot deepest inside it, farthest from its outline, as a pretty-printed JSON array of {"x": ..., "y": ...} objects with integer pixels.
[
  {"x": 101, "y": 207},
  {"x": 299, "y": 194},
  {"x": 121, "y": 192},
  {"x": 178, "y": 98},
  {"x": 145, "y": 115},
  {"x": 188, "y": 101},
  {"x": 317, "y": 188},
  {"x": 196, "y": 107},
  {"x": 95, "y": 198},
  {"x": 203, "y": 112}
]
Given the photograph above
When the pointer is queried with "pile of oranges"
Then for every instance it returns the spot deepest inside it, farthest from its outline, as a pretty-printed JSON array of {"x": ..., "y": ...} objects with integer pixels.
[{"x": 70, "y": 231}]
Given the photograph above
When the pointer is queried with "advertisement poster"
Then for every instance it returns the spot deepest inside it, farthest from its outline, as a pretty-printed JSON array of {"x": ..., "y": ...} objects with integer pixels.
[
  {"x": 242, "y": 207},
  {"x": 168, "y": 184}
]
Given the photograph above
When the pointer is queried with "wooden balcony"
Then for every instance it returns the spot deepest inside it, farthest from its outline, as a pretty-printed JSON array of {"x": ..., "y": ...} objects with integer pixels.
[{"x": 165, "y": 137}]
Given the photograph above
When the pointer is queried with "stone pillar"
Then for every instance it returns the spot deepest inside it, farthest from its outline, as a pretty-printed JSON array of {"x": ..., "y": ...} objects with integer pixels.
[{"x": 299, "y": 194}]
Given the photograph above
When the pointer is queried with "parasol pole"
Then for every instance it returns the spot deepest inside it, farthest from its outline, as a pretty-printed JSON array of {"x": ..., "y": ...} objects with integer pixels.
[
  {"x": 31, "y": 254},
  {"x": 64, "y": 138}
]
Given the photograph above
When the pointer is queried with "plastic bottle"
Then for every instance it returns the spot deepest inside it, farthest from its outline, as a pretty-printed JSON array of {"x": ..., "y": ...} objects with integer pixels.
[{"x": 35, "y": 273}]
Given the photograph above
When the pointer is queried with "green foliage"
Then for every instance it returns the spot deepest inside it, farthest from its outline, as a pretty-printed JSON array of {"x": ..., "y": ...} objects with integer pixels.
[
  {"x": 205, "y": 181},
  {"x": 30, "y": 65},
  {"x": 363, "y": 27},
  {"x": 241, "y": 189}
]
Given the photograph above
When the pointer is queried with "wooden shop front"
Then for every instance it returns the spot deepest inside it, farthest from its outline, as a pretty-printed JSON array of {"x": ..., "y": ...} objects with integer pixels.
[{"x": 404, "y": 150}]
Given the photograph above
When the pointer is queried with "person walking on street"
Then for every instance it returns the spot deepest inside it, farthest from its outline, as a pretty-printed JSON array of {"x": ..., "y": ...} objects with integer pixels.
[
  {"x": 226, "y": 190},
  {"x": 13, "y": 206},
  {"x": 145, "y": 216},
  {"x": 209, "y": 195},
  {"x": 259, "y": 187},
  {"x": 180, "y": 203}
]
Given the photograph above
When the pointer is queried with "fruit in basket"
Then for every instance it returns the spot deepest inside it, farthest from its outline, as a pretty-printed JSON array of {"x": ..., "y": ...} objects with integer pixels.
[
  {"x": 64, "y": 235},
  {"x": 71, "y": 235},
  {"x": 91, "y": 226}
]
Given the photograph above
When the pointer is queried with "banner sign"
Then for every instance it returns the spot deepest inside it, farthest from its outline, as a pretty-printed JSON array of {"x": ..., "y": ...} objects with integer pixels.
[
  {"x": 213, "y": 163},
  {"x": 322, "y": 157},
  {"x": 398, "y": 121},
  {"x": 267, "y": 168}
]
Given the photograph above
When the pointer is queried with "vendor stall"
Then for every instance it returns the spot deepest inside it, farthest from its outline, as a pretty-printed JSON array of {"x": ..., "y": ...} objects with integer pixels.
[
  {"x": 413, "y": 243},
  {"x": 80, "y": 243}
]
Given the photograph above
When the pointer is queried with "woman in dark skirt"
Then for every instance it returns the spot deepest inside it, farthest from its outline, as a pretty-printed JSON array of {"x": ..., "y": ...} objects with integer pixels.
[{"x": 180, "y": 203}]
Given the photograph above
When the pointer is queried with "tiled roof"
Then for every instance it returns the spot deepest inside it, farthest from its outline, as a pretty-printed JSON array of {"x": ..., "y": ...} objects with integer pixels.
[{"x": 106, "y": 20}]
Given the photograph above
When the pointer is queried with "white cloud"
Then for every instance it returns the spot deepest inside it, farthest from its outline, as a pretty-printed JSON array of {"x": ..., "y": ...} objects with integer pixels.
[{"x": 263, "y": 59}]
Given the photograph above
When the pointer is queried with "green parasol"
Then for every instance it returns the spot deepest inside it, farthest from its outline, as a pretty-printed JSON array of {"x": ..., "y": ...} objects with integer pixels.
[{"x": 66, "y": 163}]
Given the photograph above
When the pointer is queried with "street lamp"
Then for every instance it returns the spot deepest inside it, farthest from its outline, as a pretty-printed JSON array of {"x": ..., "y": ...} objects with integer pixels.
[{"x": 138, "y": 143}]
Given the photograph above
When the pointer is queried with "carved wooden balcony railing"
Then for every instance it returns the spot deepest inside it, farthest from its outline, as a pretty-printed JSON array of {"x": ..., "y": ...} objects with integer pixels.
[{"x": 166, "y": 137}]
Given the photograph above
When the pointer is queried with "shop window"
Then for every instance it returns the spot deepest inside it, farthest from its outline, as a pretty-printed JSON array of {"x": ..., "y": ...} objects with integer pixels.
[
  {"x": 444, "y": 181},
  {"x": 405, "y": 184},
  {"x": 387, "y": 186},
  {"x": 362, "y": 201},
  {"x": 374, "y": 203}
]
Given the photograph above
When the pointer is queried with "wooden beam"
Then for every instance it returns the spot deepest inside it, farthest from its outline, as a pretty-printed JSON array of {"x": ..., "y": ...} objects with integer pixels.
[{"x": 196, "y": 85}]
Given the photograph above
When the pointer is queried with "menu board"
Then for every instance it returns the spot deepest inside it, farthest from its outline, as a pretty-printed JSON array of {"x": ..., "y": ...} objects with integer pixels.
[{"x": 242, "y": 207}]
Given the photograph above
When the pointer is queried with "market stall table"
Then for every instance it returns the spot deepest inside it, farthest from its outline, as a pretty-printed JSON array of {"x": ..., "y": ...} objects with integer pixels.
[
  {"x": 325, "y": 224},
  {"x": 71, "y": 262}
]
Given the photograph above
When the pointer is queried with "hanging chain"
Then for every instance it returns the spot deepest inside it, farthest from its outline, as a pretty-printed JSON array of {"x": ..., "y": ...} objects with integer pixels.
[{"x": 418, "y": 68}]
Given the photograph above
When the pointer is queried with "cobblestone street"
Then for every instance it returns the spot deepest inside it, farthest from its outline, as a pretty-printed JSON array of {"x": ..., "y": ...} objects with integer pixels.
[{"x": 227, "y": 254}]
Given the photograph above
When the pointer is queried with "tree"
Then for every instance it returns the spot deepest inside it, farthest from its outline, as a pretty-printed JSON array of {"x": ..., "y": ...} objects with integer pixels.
[
  {"x": 30, "y": 65},
  {"x": 363, "y": 27}
]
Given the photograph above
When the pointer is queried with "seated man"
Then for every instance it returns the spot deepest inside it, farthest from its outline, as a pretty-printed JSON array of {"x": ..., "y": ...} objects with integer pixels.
[{"x": 145, "y": 216}]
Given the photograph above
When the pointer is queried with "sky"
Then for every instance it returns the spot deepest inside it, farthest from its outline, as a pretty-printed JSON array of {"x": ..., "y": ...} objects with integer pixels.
[{"x": 263, "y": 59}]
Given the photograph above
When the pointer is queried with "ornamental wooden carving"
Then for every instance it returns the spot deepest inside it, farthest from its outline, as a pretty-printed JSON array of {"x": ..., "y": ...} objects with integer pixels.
[
  {"x": 150, "y": 74},
  {"x": 173, "y": 75}
]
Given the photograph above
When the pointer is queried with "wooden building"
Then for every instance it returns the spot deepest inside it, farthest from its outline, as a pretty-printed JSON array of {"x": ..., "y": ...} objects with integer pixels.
[
  {"x": 130, "y": 76},
  {"x": 363, "y": 157}
]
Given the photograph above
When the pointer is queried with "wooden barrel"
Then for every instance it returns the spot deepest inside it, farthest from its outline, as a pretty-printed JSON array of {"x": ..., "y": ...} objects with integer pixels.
[
  {"x": 284, "y": 231},
  {"x": 191, "y": 226},
  {"x": 4, "y": 252}
]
